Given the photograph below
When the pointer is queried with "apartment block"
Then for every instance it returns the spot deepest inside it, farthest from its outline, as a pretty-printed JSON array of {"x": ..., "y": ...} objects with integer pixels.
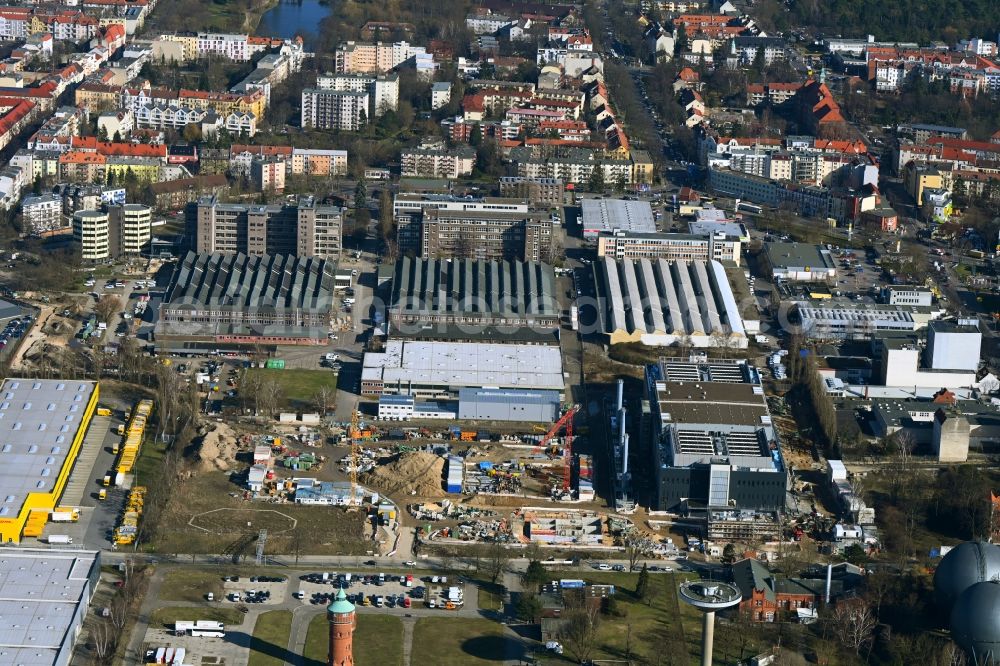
[
  {"x": 335, "y": 109},
  {"x": 382, "y": 89},
  {"x": 437, "y": 162},
  {"x": 301, "y": 228},
  {"x": 374, "y": 58},
  {"x": 486, "y": 234},
  {"x": 536, "y": 191}
]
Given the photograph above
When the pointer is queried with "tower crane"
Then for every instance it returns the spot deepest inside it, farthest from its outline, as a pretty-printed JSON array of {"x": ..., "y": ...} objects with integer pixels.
[{"x": 566, "y": 420}]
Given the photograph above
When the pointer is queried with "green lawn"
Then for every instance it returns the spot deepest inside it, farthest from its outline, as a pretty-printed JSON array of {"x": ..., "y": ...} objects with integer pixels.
[
  {"x": 378, "y": 641},
  {"x": 165, "y": 617},
  {"x": 299, "y": 386},
  {"x": 269, "y": 644},
  {"x": 190, "y": 585},
  {"x": 458, "y": 641}
]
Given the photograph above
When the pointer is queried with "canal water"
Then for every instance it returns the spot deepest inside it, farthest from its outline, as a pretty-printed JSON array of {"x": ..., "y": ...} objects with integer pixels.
[{"x": 294, "y": 17}]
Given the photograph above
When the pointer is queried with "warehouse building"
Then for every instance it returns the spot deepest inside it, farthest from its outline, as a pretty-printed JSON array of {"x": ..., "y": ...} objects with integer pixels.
[
  {"x": 659, "y": 302},
  {"x": 232, "y": 302},
  {"x": 442, "y": 369},
  {"x": 607, "y": 215},
  {"x": 800, "y": 261},
  {"x": 488, "y": 404},
  {"x": 45, "y": 421},
  {"x": 44, "y": 599},
  {"x": 713, "y": 443},
  {"x": 466, "y": 299}
]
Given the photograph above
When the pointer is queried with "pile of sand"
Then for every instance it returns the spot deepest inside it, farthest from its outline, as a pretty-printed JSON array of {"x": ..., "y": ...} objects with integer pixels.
[
  {"x": 218, "y": 448},
  {"x": 415, "y": 473}
]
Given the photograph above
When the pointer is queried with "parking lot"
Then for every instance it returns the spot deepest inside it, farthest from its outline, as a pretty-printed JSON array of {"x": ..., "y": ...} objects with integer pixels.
[
  {"x": 255, "y": 589},
  {"x": 393, "y": 591}
]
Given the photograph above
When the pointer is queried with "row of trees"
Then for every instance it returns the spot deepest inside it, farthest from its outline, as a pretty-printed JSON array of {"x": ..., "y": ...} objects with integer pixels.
[{"x": 810, "y": 390}]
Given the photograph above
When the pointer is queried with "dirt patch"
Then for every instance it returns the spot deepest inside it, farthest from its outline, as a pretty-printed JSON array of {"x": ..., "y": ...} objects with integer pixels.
[
  {"x": 217, "y": 451},
  {"x": 415, "y": 473}
]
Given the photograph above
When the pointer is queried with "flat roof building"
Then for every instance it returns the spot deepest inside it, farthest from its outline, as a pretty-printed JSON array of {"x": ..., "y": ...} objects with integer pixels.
[
  {"x": 658, "y": 302},
  {"x": 606, "y": 215},
  {"x": 44, "y": 597},
  {"x": 714, "y": 446},
  {"x": 489, "y": 404},
  {"x": 669, "y": 246},
  {"x": 800, "y": 261},
  {"x": 469, "y": 299},
  {"x": 43, "y": 422},
  {"x": 852, "y": 320},
  {"x": 444, "y": 368},
  {"x": 231, "y": 301}
]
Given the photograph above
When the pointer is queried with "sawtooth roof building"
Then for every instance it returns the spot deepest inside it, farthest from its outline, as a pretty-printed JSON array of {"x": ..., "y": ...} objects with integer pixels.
[
  {"x": 660, "y": 303},
  {"x": 714, "y": 446},
  {"x": 218, "y": 302},
  {"x": 473, "y": 300}
]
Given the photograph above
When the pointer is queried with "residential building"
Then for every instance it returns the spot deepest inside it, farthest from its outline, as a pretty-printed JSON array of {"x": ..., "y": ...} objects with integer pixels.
[
  {"x": 901, "y": 295},
  {"x": 440, "y": 94},
  {"x": 302, "y": 228},
  {"x": 430, "y": 161},
  {"x": 345, "y": 110},
  {"x": 267, "y": 174},
  {"x": 745, "y": 50},
  {"x": 375, "y": 58},
  {"x": 41, "y": 214},
  {"x": 382, "y": 89},
  {"x": 544, "y": 192}
]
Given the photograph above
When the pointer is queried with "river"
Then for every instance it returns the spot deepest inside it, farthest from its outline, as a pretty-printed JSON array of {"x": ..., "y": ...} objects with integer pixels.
[{"x": 294, "y": 17}]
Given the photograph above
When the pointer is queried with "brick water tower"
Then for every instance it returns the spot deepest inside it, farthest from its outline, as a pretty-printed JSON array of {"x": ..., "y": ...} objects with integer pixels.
[{"x": 343, "y": 620}]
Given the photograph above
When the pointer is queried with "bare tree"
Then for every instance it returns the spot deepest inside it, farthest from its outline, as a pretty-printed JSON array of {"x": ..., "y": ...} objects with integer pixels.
[
  {"x": 579, "y": 630},
  {"x": 854, "y": 624},
  {"x": 105, "y": 641},
  {"x": 106, "y": 306},
  {"x": 271, "y": 393},
  {"x": 497, "y": 557},
  {"x": 323, "y": 398}
]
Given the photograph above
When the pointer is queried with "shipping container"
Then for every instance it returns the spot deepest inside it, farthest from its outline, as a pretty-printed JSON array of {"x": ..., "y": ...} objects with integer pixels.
[
  {"x": 275, "y": 364},
  {"x": 60, "y": 539}
]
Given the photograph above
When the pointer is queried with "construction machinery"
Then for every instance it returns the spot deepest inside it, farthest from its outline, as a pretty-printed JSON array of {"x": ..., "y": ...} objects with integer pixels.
[
  {"x": 353, "y": 434},
  {"x": 128, "y": 528},
  {"x": 565, "y": 421},
  {"x": 134, "y": 435}
]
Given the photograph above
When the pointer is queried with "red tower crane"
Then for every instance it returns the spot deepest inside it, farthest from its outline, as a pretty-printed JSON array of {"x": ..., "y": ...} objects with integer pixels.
[{"x": 566, "y": 420}]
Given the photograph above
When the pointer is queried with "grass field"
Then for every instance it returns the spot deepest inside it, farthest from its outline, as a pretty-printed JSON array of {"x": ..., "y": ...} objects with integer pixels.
[
  {"x": 458, "y": 641},
  {"x": 298, "y": 386},
  {"x": 190, "y": 585},
  {"x": 378, "y": 641},
  {"x": 165, "y": 617},
  {"x": 270, "y": 639}
]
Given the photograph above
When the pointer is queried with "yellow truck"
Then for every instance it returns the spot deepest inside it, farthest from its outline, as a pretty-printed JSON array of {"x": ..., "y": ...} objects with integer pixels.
[
  {"x": 103, "y": 494},
  {"x": 103, "y": 411}
]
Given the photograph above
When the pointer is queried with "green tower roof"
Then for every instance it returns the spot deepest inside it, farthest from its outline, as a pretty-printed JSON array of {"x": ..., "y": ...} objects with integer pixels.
[{"x": 340, "y": 604}]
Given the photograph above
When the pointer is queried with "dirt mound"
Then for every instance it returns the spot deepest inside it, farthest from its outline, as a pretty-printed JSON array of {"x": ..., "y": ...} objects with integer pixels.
[
  {"x": 218, "y": 448},
  {"x": 415, "y": 473}
]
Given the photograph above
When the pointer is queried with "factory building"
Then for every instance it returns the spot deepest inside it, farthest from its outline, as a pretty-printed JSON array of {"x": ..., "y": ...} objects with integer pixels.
[
  {"x": 232, "y": 302},
  {"x": 713, "y": 443},
  {"x": 606, "y": 215},
  {"x": 658, "y": 302},
  {"x": 954, "y": 345},
  {"x": 45, "y": 422},
  {"x": 800, "y": 261},
  {"x": 849, "y": 320},
  {"x": 442, "y": 369},
  {"x": 672, "y": 247},
  {"x": 465, "y": 299},
  {"x": 45, "y": 597}
]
